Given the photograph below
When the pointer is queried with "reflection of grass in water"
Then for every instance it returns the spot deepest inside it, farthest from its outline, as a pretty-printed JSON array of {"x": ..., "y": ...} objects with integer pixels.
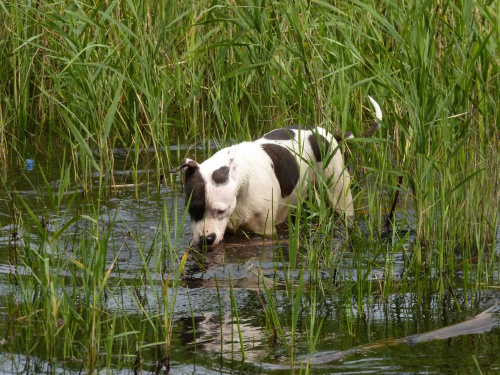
[{"x": 149, "y": 77}]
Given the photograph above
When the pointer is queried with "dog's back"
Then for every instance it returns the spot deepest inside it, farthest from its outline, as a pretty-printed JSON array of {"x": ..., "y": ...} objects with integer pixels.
[{"x": 308, "y": 154}]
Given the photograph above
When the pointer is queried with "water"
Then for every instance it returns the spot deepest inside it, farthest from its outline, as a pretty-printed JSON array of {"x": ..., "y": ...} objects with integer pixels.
[{"x": 352, "y": 334}]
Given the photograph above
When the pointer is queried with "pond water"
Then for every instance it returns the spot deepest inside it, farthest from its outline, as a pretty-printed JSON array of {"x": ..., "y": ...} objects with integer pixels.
[{"x": 229, "y": 300}]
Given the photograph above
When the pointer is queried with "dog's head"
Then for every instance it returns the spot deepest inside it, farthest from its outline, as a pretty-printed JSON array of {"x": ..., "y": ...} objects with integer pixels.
[{"x": 211, "y": 190}]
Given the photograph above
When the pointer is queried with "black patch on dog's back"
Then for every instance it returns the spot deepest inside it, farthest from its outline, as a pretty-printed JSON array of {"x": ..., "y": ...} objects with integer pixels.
[
  {"x": 195, "y": 189},
  {"x": 285, "y": 167},
  {"x": 313, "y": 141},
  {"x": 280, "y": 135},
  {"x": 339, "y": 137},
  {"x": 221, "y": 176}
]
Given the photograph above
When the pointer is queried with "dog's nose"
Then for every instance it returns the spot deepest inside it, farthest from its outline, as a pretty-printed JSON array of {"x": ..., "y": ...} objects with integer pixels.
[{"x": 208, "y": 239}]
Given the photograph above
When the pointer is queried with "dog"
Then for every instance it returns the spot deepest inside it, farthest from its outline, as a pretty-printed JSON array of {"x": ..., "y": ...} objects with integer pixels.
[{"x": 254, "y": 185}]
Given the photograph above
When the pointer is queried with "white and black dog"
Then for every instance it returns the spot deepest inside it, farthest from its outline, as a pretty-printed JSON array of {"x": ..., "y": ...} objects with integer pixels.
[{"x": 254, "y": 185}]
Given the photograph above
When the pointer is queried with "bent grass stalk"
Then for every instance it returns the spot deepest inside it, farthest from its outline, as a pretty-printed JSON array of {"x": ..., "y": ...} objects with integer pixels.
[{"x": 236, "y": 320}]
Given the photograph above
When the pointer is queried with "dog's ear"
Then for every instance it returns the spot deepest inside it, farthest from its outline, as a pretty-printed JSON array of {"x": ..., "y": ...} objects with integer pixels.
[{"x": 188, "y": 165}]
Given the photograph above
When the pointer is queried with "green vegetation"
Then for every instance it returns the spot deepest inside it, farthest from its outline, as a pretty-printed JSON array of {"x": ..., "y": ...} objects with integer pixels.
[{"x": 80, "y": 80}]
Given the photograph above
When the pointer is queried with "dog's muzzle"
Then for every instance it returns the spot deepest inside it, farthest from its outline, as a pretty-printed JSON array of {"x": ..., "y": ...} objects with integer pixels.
[{"x": 208, "y": 239}]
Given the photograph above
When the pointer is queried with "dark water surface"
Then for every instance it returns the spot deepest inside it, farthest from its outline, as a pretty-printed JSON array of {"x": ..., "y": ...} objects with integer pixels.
[{"x": 352, "y": 335}]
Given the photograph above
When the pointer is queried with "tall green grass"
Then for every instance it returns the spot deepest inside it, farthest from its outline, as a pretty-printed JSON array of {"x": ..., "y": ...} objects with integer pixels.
[
  {"x": 144, "y": 75},
  {"x": 148, "y": 76},
  {"x": 66, "y": 274}
]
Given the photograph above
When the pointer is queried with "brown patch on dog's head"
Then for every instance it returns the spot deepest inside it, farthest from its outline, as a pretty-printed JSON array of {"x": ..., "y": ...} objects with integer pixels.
[{"x": 221, "y": 176}]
